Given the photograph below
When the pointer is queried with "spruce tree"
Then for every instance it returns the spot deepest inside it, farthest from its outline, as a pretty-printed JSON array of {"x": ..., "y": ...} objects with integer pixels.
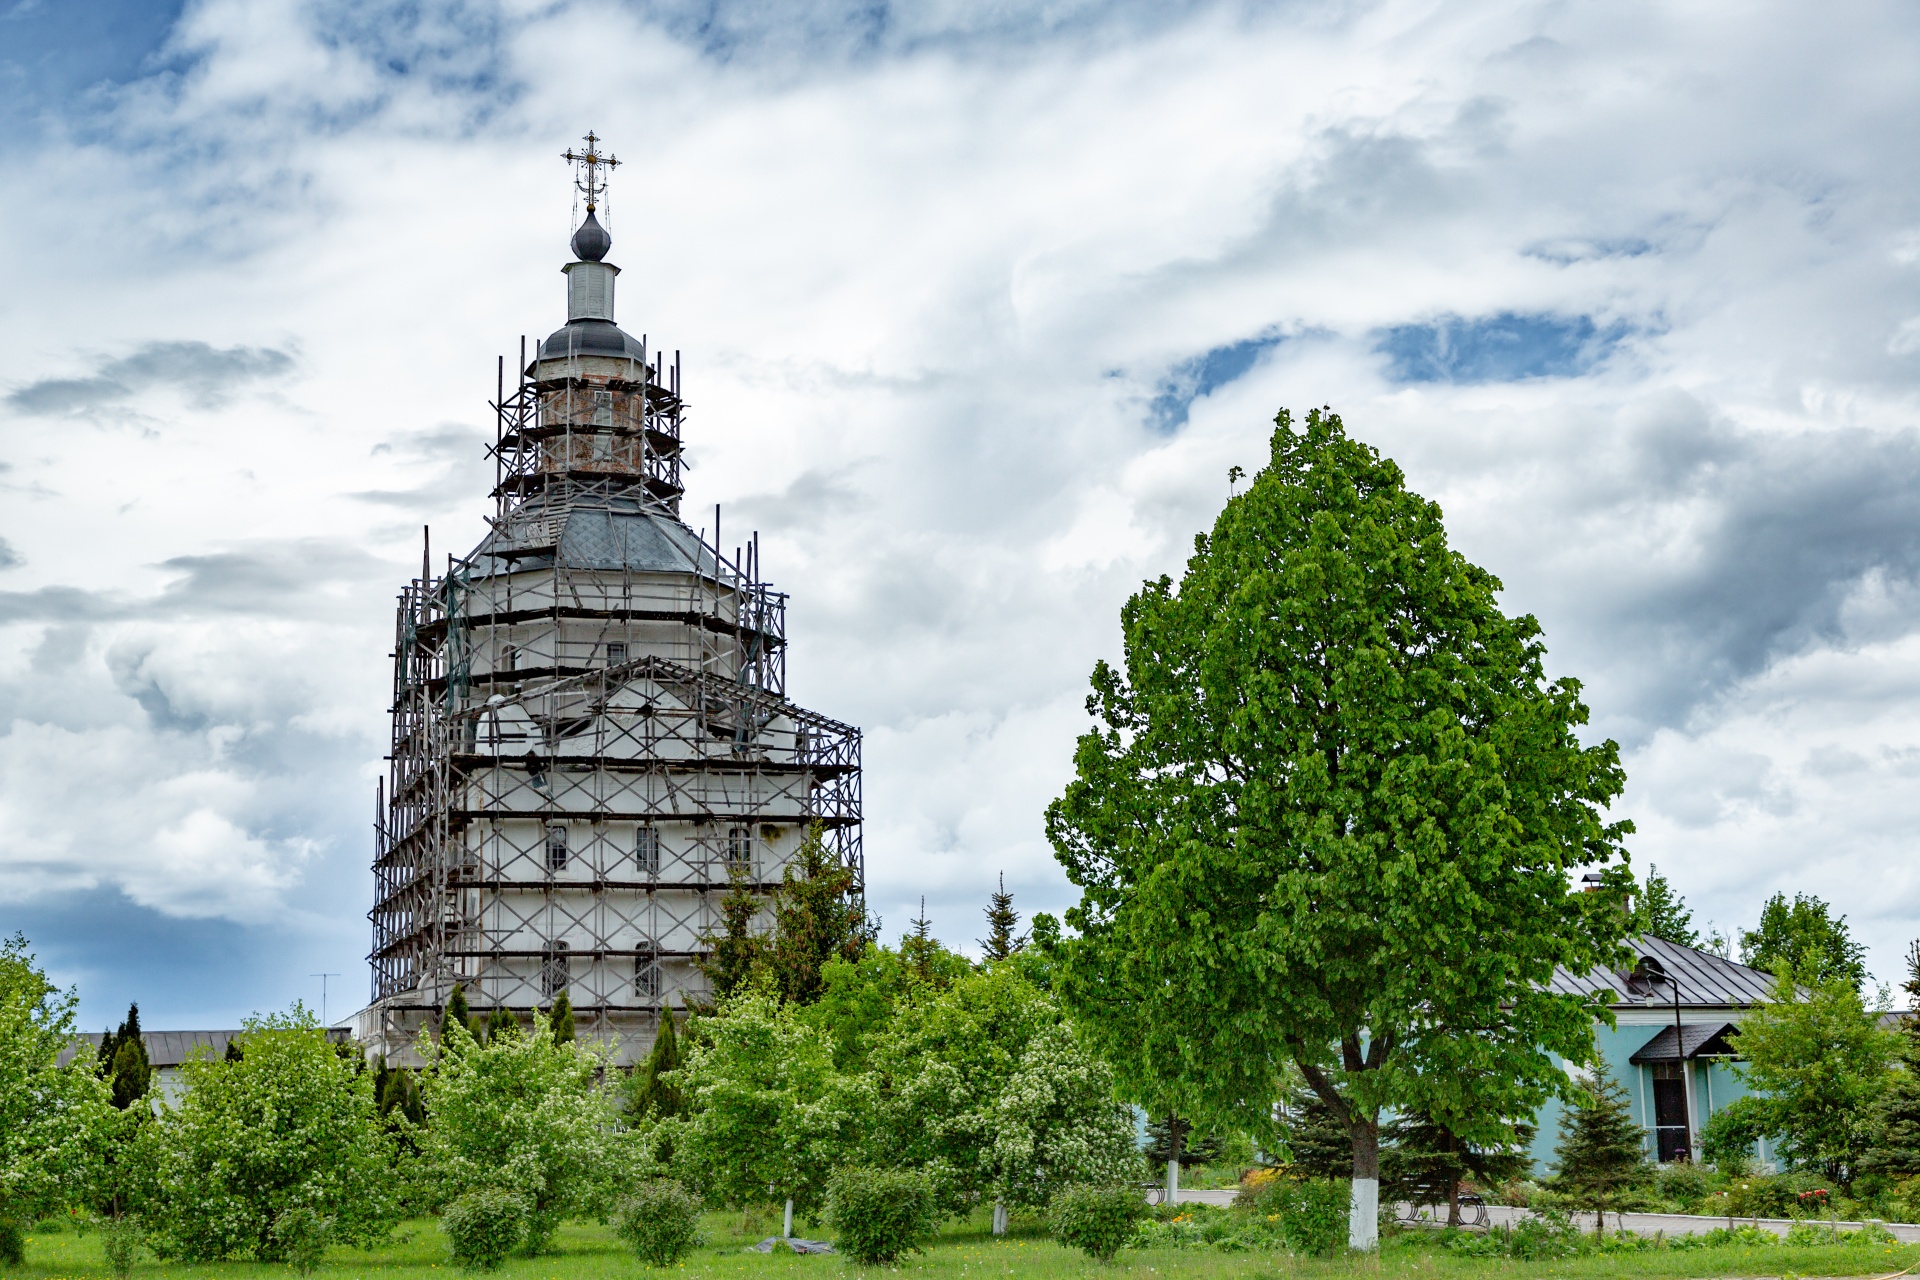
[
  {"x": 1896, "y": 1148},
  {"x": 1171, "y": 1138},
  {"x": 234, "y": 1052},
  {"x": 501, "y": 1022},
  {"x": 1602, "y": 1162},
  {"x": 1001, "y": 941},
  {"x": 920, "y": 949},
  {"x": 649, "y": 1093},
  {"x": 560, "y": 1018},
  {"x": 1663, "y": 913},
  {"x": 456, "y": 1011},
  {"x": 736, "y": 953},
  {"x": 1428, "y": 1161},
  {"x": 1317, "y": 1141},
  {"x": 817, "y": 917}
]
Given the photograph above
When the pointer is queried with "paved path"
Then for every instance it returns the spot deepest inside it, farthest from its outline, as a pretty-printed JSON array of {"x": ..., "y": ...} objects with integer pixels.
[{"x": 1645, "y": 1224}]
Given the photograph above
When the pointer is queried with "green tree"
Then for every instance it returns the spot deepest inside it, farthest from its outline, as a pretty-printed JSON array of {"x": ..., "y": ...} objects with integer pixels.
[
  {"x": 1329, "y": 815},
  {"x": 523, "y": 1114},
  {"x": 1895, "y": 1151},
  {"x": 1002, "y": 940},
  {"x": 288, "y": 1126},
  {"x": 653, "y": 1091},
  {"x": 1428, "y": 1159},
  {"x": 1170, "y": 1138},
  {"x": 738, "y": 952},
  {"x": 1816, "y": 1060},
  {"x": 560, "y": 1018},
  {"x": 766, "y": 1108},
  {"x": 1314, "y": 1140},
  {"x": 501, "y": 1024},
  {"x": 124, "y": 1061},
  {"x": 922, "y": 951},
  {"x": 1805, "y": 937},
  {"x": 54, "y": 1120},
  {"x": 818, "y": 917},
  {"x": 456, "y": 1012},
  {"x": 1602, "y": 1162},
  {"x": 1659, "y": 911},
  {"x": 982, "y": 1086}
]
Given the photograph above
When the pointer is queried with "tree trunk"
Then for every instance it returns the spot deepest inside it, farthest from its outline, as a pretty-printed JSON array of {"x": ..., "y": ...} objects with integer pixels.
[
  {"x": 786, "y": 1223},
  {"x": 1363, "y": 1205},
  {"x": 1173, "y": 1181},
  {"x": 1453, "y": 1202}
]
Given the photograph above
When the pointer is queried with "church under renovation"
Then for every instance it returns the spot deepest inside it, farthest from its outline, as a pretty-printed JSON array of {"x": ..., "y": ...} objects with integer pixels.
[{"x": 592, "y": 743}]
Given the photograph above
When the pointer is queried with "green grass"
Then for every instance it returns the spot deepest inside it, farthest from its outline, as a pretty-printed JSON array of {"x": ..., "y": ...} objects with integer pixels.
[{"x": 967, "y": 1251}]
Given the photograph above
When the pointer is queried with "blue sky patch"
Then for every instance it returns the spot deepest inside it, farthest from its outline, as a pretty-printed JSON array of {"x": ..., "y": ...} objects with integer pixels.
[
  {"x": 1203, "y": 375},
  {"x": 1507, "y": 347}
]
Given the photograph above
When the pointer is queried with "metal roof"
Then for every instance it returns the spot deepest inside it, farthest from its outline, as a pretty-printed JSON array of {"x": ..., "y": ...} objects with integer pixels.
[
  {"x": 171, "y": 1048},
  {"x": 1705, "y": 980},
  {"x": 621, "y": 534},
  {"x": 1697, "y": 1039}
]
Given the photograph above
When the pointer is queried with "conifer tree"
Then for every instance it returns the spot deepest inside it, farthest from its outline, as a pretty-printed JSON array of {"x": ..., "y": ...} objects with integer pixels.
[
  {"x": 560, "y": 1017},
  {"x": 1602, "y": 1161},
  {"x": 1661, "y": 912},
  {"x": 736, "y": 953},
  {"x": 501, "y": 1022},
  {"x": 1171, "y": 1138},
  {"x": 920, "y": 949},
  {"x": 234, "y": 1052},
  {"x": 456, "y": 1010},
  {"x": 1428, "y": 1161},
  {"x": 649, "y": 1093},
  {"x": 1001, "y": 941},
  {"x": 1317, "y": 1142},
  {"x": 817, "y": 918},
  {"x": 124, "y": 1061},
  {"x": 1896, "y": 1148}
]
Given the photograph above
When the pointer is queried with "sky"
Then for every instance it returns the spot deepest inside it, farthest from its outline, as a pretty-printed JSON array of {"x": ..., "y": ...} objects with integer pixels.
[{"x": 978, "y": 304}]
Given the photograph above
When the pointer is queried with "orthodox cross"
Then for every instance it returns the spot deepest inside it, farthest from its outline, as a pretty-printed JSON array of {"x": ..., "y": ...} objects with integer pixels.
[{"x": 588, "y": 166}]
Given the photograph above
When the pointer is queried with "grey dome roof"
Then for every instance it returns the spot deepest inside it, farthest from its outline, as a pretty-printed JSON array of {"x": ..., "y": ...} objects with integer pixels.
[
  {"x": 624, "y": 534},
  {"x": 591, "y": 241},
  {"x": 590, "y": 338}
]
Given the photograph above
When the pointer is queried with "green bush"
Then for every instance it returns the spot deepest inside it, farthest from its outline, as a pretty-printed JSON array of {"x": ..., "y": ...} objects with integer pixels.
[
  {"x": 660, "y": 1221},
  {"x": 483, "y": 1227},
  {"x": 1543, "y": 1235},
  {"x": 1773, "y": 1196},
  {"x": 300, "y": 1237},
  {"x": 1684, "y": 1184},
  {"x": 120, "y": 1237},
  {"x": 13, "y": 1243},
  {"x": 1096, "y": 1219},
  {"x": 879, "y": 1214},
  {"x": 1310, "y": 1214}
]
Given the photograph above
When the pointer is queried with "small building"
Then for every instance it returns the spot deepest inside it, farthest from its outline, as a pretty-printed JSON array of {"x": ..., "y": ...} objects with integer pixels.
[
  {"x": 166, "y": 1050},
  {"x": 1673, "y": 1045}
]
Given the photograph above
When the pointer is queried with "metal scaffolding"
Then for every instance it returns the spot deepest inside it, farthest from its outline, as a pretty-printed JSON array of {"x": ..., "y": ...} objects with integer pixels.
[{"x": 591, "y": 738}]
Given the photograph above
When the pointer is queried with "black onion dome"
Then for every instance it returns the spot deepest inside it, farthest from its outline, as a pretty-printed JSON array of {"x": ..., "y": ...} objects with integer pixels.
[
  {"x": 591, "y": 241},
  {"x": 590, "y": 338}
]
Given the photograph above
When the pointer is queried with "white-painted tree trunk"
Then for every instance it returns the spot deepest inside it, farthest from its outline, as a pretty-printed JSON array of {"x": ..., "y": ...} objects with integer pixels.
[
  {"x": 786, "y": 1224},
  {"x": 999, "y": 1219},
  {"x": 1363, "y": 1215},
  {"x": 1173, "y": 1181}
]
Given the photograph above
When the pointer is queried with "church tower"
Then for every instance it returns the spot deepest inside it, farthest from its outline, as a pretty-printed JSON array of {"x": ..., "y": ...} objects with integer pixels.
[{"x": 592, "y": 743}]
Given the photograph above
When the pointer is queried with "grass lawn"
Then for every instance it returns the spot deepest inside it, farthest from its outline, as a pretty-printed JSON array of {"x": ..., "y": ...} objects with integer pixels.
[{"x": 968, "y": 1251}]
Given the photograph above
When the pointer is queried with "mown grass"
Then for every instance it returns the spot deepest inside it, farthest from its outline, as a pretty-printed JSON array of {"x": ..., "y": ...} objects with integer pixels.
[{"x": 968, "y": 1251}]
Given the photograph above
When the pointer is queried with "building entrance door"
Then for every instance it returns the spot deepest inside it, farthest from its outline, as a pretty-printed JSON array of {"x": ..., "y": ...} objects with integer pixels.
[{"x": 1670, "y": 1113}]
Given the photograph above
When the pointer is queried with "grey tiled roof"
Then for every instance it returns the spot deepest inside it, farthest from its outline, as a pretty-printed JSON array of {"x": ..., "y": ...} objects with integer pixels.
[{"x": 1706, "y": 980}]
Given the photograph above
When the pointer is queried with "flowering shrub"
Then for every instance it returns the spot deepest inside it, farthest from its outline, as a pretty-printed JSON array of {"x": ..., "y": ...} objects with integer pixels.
[
  {"x": 879, "y": 1214},
  {"x": 483, "y": 1227}
]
